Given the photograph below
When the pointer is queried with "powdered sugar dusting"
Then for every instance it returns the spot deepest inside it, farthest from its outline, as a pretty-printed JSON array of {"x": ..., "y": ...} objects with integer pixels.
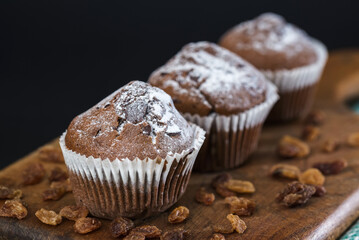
[
  {"x": 270, "y": 32},
  {"x": 209, "y": 70},
  {"x": 136, "y": 121},
  {"x": 139, "y": 103}
]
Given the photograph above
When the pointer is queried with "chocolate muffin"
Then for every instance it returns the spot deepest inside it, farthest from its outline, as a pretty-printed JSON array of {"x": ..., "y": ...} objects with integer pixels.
[
  {"x": 204, "y": 78},
  {"x": 136, "y": 121},
  {"x": 222, "y": 93},
  {"x": 286, "y": 55},
  {"x": 130, "y": 155}
]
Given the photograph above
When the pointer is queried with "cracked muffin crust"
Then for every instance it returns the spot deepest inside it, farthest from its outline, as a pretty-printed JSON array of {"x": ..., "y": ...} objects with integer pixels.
[
  {"x": 270, "y": 43},
  {"x": 137, "y": 120},
  {"x": 203, "y": 78}
]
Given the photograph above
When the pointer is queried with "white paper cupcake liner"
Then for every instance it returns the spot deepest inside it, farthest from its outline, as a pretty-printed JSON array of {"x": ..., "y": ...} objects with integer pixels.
[
  {"x": 130, "y": 188},
  {"x": 231, "y": 139},
  {"x": 297, "y": 86}
]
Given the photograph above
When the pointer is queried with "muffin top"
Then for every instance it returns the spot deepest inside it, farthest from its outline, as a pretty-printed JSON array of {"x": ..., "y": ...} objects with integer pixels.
[
  {"x": 270, "y": 43},
  {"x": 137, "y": 120},
  {"x": 203, "y": 78}
]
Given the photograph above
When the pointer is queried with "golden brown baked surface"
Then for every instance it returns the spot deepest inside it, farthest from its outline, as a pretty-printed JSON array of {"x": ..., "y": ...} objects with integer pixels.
[
  {"x": 204, "y": 77},
  {"x": 269, "y": 42},
  {"x": 137, "y": 120}
]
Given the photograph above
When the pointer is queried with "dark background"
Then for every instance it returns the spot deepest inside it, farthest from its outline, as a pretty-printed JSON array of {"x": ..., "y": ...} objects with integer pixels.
[{"x": 58, "y": 58}]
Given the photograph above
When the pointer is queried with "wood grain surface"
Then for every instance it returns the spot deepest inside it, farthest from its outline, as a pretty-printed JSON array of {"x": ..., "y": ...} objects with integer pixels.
[{"x": 322, "y": 218}]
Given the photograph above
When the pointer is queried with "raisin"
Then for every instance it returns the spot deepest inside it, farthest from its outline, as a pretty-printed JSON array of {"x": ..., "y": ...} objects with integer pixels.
[
  {"x": 315, "y": 118},
  {"x": 53, "y": 194},
  {"x": 330, "y": 145},
  {"x": 312, "y": 176},
  {"x": 148, "y": 231},
  {"x": 57, "y": 174},
  {"x": 353, "y": 139},
  {"x": 13, "y": 209},
  {"x": 238, "y": 224},
  {"x": 224, "y": 192},
  {"x": 121, "y": 227},
  {"x": 62, "y": 184},
  {"x": 240, "y": 186},
  {"x": 221, "y": 179},
  {"x": 74, "y": 212},
  {"x": 218, "y": 184},
  {"x": 48, "y": 217},
  {"x": 7, "y": 193},
  {"x": 16, "y": 194},
  {"x": 51, "y": 154},
  {"x": 204, "y": 197},
  {"x": 33, "y": 174},
  {"x": 295, "y": 194},
  {"x": 86, "y": 225},
  {"x": 290, "y": 147},
  {"x": 57, "y": 190},
  {"x": 285, "y": 171},
  {"x": 178, "y": 215},
  {"x": 310, "y": 133},
  {"x": 217, "y": 236},
  {"x": 319, "y": 191},
  {"x": 335, "y": 167},
  {"x": 176, "y": 234},
  {"x": 240, "y": 206}
]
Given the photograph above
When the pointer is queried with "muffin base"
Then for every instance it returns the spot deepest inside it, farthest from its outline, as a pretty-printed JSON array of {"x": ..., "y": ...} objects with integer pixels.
[
  {"x": 294, "y": 104},
  {"x": 105, "y": 199},
  {"x": 296, "y": 87},
  {"x": 135, "y": 188},
  {"x": 231, "y": 139},
  {"x": 225, "y": 150}
]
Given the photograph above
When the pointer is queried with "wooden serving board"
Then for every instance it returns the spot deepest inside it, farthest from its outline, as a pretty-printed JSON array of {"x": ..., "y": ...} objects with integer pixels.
[{"x": 322, "y": 218}]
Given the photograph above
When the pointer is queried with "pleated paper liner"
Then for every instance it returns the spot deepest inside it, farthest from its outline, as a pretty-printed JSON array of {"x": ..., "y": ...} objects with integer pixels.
[
  {"x": 293, "y": 105},
  {"x": 136, "y": 188},
  {"x": 297, "y": 86},
  {"x": 231, "y": 139}
]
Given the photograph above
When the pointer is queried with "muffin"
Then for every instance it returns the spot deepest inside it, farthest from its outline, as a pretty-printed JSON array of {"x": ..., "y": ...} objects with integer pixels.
[
  {"x": 132, "y": 154},
  {"x": 221, "y": 93},
  {"x": 286, "y": 55}
]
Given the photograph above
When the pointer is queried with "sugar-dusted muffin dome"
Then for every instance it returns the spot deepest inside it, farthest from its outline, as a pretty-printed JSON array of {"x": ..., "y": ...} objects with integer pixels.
[
  {"x": 270, "y": 43},
  {"x": 137, "y": 120},
  {"x": 204, "y": 77}
]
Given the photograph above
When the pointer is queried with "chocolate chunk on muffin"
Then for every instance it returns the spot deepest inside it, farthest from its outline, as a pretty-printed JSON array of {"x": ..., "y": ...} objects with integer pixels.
[
  {"x": 123, "y": 152},
  {"x": 209, "y": 84},
  {"x": 286, "y": 55}
]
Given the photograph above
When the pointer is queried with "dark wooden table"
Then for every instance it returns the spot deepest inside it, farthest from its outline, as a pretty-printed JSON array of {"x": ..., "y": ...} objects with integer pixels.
[{"x": 321, "y": 218}]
